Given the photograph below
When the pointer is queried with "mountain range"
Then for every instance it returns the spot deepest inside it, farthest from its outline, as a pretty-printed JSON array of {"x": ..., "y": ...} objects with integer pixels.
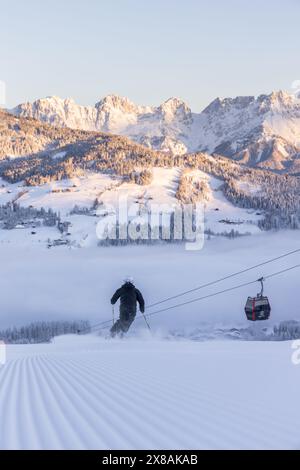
[
  {"x": 37, "y": 154},
  {"x": 261, "y": 131}
]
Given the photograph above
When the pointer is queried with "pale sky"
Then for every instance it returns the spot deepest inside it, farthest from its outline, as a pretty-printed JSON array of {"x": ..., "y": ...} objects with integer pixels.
[{"x": 148, "y": 50}]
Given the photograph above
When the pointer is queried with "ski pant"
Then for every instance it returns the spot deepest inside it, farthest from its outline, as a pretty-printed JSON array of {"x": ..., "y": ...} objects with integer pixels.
[{"x": 122, "y": 325}]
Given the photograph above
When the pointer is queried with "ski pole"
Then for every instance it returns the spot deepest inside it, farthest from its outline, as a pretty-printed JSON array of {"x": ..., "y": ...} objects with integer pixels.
[
  {"x": 146, "y": 321},
  {"x": 113, "y": 315}
]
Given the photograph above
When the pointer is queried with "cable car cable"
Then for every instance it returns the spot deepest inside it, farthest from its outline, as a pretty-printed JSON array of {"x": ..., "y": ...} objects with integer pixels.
[
  {"x": 198, "y": 299},
  {"x": 223, "y": 278},
  {"x": 222, "y": 291}
]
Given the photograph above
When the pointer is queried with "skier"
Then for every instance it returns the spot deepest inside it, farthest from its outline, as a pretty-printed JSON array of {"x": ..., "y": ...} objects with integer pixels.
[{"x": 129, "y": 295}]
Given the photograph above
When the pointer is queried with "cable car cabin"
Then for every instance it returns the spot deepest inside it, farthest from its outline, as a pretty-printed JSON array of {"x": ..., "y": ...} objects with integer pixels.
[{"x": 258, "y": 308}]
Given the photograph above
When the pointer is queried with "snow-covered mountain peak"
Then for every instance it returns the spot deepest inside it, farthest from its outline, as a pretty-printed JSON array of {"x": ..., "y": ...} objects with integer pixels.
[
  {"x": 226, "y": 104},
  {"x": 173, "y": 104},
  {"x": 110, "y": 102},
  {"x": 174, "y": 110},
  {"x": 52, "y": 102},
  {"x": 277, "y": 102}
]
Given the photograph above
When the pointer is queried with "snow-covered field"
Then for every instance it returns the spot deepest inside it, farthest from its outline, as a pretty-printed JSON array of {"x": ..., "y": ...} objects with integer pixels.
[
  {"x": 220, "y": 215},
  {"x": 90, "y": 393}
]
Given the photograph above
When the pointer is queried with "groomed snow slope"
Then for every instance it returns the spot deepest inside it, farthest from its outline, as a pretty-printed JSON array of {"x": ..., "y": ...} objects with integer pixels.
[{"x": 91, "y": 393}]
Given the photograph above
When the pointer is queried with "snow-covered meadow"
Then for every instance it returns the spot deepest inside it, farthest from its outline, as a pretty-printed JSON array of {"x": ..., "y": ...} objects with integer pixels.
[{"x": 81, "y": 191}]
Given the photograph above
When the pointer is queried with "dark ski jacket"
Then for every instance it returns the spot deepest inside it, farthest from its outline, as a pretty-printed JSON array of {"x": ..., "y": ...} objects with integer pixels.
[{"x": 129, "y": 295}]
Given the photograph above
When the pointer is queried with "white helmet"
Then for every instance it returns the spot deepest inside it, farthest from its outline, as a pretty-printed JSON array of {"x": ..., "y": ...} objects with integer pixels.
[{"x": 128, "y": 279}]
